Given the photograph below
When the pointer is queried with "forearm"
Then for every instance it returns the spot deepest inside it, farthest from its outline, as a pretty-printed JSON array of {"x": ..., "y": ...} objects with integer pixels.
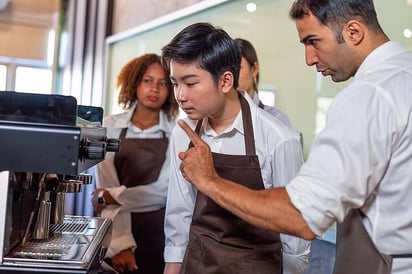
[
  {"x": 172, "y": 268},
  {"x": 121, "y": 235},
  {"x": 143, "y": 198},
  {"x": 270, "y": 209}
]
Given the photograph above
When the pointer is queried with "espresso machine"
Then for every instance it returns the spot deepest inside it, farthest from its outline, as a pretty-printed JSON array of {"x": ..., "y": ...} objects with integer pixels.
[{"x": 46, "y": 145}]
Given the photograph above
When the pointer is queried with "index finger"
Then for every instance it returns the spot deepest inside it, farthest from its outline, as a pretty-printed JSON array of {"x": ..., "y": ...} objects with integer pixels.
[{"x": 194, "y": 137}]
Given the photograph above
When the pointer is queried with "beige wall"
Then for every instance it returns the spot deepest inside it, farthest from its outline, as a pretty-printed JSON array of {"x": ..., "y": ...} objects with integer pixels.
[
  {"x": 131, "y": 13},
  {"x": 24, "y": 28},
  {"x": 25, "y": 24}
]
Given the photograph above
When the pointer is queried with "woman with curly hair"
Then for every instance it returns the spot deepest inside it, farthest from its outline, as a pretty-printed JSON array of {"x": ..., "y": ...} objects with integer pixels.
[{"x": 132, "y": 183}]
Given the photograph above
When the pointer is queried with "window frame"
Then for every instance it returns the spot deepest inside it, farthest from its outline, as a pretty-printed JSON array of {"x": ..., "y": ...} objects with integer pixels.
[{"x": 13, "y": 63}]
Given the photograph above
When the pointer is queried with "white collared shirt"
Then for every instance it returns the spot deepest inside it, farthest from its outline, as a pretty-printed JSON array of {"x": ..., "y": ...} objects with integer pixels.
[
  {"x": 140, "y": 198},
  {"x": 279, "y": 151},
  {"x": 363, "y": 156}
]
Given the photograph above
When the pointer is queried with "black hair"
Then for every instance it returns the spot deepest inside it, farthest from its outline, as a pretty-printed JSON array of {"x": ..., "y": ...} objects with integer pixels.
[
  {"x": 249, "y": 53},
  {"x": 211, "y": 47},
  {"x": 336, "y": 13}
]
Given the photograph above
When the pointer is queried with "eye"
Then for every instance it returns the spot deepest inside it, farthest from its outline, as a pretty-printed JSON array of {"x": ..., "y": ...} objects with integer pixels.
[
  {"x": 190, "y": 84},
  {"x": 313, "y": 42},
  {"x": 147, "y": 81},
  {"x": 163, "y": 84}
]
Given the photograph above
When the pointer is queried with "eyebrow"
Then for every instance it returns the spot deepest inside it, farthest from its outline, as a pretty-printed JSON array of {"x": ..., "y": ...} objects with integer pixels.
[{"x": 185, "y": 77}]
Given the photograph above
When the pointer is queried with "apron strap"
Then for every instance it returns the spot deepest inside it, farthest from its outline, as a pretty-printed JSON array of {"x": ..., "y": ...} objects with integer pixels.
[{"x": 401, "y": 256}]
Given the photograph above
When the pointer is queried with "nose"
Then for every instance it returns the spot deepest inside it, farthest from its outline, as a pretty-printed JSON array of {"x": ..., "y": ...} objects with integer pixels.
[
  {"x": 180, "y": 94},
  {"x": 311, "y": 57},
  {"x": 155, "y": 85}
]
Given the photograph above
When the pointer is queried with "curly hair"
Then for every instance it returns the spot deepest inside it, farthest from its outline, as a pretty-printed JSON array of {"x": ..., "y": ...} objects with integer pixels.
[{"x": 131, "y": 76}]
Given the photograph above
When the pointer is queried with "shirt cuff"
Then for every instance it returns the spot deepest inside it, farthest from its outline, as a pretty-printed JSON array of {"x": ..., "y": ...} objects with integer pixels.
[
  {"x": 308, "y": 212},
  {"x": 110, "y": 211},
  {"x": 116, "y": 191},
  {"x": 119, "y": 244},
  {"x": 174, "y": 254}
]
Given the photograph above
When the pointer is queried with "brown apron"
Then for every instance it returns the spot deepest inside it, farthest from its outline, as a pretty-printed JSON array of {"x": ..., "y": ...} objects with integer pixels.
[
  {"x": 139, "y": 163},
  {"x": 355, "y": 251},
  {"x": 222, "y": 243}
]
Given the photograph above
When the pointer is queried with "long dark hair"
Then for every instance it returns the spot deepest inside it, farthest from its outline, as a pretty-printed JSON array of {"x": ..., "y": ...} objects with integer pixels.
[{"x": 249, "y": 53}]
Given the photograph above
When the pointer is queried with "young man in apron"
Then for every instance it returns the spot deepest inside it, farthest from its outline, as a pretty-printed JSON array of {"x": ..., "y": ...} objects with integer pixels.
[
  {"x": 358, "y": 169},
  {"x": 202, "y": 237}
]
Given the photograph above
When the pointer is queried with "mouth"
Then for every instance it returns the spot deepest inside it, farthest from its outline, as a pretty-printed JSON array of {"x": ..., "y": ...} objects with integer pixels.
[
  {"x": 324, "y": 72},
  {"x": 187, "y": 110},
  {"x": 153, "y": 98}
]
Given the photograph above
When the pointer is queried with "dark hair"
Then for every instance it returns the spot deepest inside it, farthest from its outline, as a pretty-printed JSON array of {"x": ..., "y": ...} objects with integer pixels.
[
  {"x": 336, "y": 13},
  {"x": 249, "y": 53},
  {"x": 131, "y": 76},
  {"x": 211, "y": 47}
]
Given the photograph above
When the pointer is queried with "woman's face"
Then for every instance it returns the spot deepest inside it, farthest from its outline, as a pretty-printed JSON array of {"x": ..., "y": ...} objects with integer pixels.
[
  {"x": 152, "y": 92},
  {"x": 246, "y": 76}
]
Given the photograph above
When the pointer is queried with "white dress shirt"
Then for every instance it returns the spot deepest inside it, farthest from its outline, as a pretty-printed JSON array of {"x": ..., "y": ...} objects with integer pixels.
[
  {"x": 280, "y": 156},
  {"x": 140, "y": 198},
  {"x": 363, "y": 156}
]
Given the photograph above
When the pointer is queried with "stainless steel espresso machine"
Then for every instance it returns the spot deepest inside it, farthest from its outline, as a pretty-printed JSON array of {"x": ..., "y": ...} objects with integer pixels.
[{"x": 45, "y": 146}]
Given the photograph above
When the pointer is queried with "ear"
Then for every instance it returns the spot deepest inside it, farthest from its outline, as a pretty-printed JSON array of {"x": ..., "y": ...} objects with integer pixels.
[
  {"x": 354, "y": 32},
  {"x": 255, "y": 69},
  {"x": 226, "y": 81}
]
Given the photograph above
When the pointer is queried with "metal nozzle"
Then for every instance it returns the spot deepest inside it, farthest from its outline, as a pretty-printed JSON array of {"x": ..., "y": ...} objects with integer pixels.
[{"x": 41, "y": 229}]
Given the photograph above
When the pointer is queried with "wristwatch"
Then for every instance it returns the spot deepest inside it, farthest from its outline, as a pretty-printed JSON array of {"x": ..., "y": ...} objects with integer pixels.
[{"x": 100, "y": 198}]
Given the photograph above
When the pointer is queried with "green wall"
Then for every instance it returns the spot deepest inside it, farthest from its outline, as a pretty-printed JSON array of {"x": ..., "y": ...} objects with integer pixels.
[{"x": 300, "y": 91}]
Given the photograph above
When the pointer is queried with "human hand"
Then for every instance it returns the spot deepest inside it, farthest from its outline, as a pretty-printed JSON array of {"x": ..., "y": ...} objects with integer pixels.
[
  {"x": 124, "y": 261},
  {"x": 197, "y": 162},
  {"x": 95, "y": 196}
]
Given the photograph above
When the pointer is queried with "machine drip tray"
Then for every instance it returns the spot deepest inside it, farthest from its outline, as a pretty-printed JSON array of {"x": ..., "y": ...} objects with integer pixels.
[{"x": 76, "y": 243}]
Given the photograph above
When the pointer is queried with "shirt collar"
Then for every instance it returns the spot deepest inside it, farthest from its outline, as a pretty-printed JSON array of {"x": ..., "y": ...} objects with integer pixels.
[
  {"x": 237, "y": 125},
  {"x": 126, "y": 120},
  {"x": 256, "y": 98},
  {"x": 379, "y": 55}
]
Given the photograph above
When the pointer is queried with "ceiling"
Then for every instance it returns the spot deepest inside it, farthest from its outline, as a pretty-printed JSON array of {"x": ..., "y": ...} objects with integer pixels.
[{"x": 42, "y": 14}]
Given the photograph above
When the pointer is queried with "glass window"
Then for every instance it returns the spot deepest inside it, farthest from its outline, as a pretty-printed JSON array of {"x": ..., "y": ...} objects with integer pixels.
[
  {"x": 35, "y": 80},
  {"x": 3, "y": 77}
]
